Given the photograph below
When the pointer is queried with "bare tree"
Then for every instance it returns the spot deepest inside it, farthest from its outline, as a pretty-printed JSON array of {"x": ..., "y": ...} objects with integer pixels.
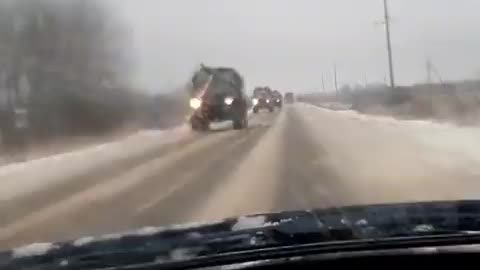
[{"x": 73, "y": 55}]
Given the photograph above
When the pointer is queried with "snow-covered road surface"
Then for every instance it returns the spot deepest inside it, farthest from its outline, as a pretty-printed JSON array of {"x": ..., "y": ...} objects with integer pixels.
[{"x": 301, "y": 157}]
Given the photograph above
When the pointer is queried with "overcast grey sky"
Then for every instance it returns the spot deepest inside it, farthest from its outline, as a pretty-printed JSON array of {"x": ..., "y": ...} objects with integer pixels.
[{"x": 289, "y": 44}]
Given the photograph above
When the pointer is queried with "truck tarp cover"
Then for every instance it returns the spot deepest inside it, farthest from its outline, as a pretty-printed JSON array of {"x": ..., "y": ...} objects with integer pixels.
[
  {"x": 261, "y": 92},
  {"x": 223, "y": 82}
]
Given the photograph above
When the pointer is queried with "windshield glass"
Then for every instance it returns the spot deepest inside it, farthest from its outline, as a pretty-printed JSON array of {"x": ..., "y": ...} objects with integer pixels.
[{"x": 107, "y": 119}]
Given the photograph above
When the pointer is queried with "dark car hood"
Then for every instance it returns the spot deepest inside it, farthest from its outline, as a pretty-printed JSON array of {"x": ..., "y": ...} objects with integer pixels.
[{"x": 253, "y": 232}]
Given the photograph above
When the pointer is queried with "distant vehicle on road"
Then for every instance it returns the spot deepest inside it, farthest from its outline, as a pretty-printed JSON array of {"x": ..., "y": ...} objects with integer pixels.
[
  {"x": 217, "y": 94},
  {"x": 289, "y": 98},
  {"x": 262, "y": 99},
  {"x": 277, "y": 99}
]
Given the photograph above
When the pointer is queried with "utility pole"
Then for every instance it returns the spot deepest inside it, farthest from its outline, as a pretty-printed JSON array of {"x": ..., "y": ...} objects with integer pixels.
[
  {"x": 323, "y": 83},
  {"x": 389, "y": 45},
  {"x": 436, "y": 73},
  {"x": 429, "y": 69},
  {"x": 335, "y": 78}
]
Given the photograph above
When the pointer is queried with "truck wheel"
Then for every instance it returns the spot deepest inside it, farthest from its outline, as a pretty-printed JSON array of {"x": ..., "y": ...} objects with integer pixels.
[
  {"x": 255, "y": 110},
  {"x": 195, "y": 126},
  {"x": 237, "y": 125},
  {"x": 245, "y": 123},
  {"x": 270, "y": 109},
  {"x": 240, "y": 124},
  {"x": 198, "y": 124},
  {"x": 240, "y": 121}
]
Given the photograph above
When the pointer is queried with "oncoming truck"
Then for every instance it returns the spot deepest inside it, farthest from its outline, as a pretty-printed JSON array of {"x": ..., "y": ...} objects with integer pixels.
[
  {"x": 277, "y": 99},
  {"x": 289, "y": 98},
  {"x": 217, "y": 94},
  {"x": 262, "y": 99}
]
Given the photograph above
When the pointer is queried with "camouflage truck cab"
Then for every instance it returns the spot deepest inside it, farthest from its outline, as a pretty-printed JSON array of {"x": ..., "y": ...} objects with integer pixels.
[
  {"x": 217, "y": 94},
  {"x": 262, "y": 99}
]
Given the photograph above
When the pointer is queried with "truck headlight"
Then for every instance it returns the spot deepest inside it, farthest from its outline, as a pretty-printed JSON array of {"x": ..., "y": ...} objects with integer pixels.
[
  {"x": 255, "y": 101},
  {"x": 268, "y": 101},
  {"x": 228, "y": 100},
  {"x": 278, "y": 100},
  {"x": 195, "y": 103}
]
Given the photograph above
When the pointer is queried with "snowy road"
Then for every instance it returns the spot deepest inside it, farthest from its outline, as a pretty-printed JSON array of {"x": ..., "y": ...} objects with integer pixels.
[{"x": 302, "y": 157}]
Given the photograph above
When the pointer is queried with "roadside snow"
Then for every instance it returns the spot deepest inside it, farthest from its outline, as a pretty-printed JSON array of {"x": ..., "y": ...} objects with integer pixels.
[
  {"x": 19, "y": 179},
  {"x": 403, "y": 161},
  {"x": 354, "y": 115},
  {"x": 447, "y": 147},
  {"x": 459, "y": 140}
]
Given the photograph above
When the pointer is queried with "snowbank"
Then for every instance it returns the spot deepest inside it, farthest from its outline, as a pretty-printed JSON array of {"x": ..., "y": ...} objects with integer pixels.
[{"x": 446, "y": 137}]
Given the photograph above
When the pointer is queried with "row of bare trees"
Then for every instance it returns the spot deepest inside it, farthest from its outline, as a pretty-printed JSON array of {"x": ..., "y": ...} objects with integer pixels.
[{"x": 65, "y": 69}]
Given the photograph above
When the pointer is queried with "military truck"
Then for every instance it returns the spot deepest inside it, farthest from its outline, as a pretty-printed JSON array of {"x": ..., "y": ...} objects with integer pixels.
[
  {"x": 277, "y": 99},
  {"x": 262, "y": 99},
  {"x": 217, "y": 94},
  {"x": 289, "y": 98}
]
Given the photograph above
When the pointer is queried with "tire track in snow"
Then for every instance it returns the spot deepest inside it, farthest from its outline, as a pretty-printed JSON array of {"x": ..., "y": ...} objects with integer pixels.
[{"x": 252, "y": 185}]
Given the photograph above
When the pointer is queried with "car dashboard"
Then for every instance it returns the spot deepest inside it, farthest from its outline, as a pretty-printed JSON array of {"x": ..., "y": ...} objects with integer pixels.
[{"x": 426, "y": 257}]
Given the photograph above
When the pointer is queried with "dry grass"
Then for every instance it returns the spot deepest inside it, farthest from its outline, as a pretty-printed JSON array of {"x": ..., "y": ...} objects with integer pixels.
[
  {"x": 456, "y": 103},
  {"x": 441, "y": 104}
]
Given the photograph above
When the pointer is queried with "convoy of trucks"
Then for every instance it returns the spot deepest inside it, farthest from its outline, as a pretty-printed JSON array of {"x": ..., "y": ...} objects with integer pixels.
[{"x": 218, "y": 94}]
